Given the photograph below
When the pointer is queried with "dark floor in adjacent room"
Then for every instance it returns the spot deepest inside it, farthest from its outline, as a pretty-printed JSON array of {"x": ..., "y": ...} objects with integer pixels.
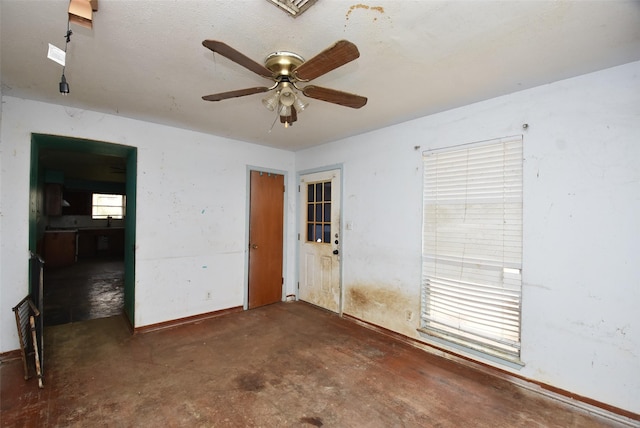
[
  {"x": 282, "y": 365},
  {"x": 88, "y": 289}
]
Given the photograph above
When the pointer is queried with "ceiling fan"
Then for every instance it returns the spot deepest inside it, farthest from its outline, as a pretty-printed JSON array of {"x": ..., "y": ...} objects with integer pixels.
[{"x": 287, "y": 70}]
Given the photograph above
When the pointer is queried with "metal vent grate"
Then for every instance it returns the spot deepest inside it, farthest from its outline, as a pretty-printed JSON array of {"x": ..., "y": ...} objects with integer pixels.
[{"x": 293, "y": 7}]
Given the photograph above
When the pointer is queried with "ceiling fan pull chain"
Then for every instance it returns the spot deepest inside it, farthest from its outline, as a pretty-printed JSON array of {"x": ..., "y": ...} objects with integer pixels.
[{"x": 275, "y": 120}]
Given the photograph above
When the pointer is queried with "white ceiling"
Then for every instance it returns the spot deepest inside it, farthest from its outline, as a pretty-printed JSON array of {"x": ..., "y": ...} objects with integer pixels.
[{"x": 144, "y": 59}]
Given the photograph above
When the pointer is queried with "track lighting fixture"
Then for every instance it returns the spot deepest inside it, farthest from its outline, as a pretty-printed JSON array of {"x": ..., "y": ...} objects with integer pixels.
[
  {"x": 80, "y": 12},
  {"x": 64, "y": 86}
]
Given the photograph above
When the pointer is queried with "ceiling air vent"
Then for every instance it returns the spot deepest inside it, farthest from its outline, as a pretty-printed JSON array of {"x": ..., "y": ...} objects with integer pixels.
[{"x": 293, "y": 7}]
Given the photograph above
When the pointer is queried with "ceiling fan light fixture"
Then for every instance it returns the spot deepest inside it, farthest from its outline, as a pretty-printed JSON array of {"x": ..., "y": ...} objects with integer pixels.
[
  {"x": 299, "y": 104},
  {"x": 285, "y": 110},
  {"x": 287, "y": 96},
  {"x": 286, "y": 69},
  {"x": 271, "y": 102}
]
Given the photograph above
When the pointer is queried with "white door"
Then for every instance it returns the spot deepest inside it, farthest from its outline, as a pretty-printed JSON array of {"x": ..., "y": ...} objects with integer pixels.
[{"x": 319, "y": 240}]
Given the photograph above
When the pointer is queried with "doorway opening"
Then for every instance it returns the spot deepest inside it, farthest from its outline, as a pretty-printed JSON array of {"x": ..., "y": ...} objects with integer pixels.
[{"x": 88, "y": 256}]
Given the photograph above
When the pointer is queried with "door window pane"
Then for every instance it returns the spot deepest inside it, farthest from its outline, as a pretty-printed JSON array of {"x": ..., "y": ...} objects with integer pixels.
[
  {"x": 319, "y": 212},
  {"x": 326, "y": 236},
  {"x": 310, "y": 193},
  {"x": 327, "y": 191}
]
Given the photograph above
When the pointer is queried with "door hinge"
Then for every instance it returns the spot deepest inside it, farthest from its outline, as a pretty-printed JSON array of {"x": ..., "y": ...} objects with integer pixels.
[
  {"x": 298, "y": 285},
  {"x": 298, "y": 236},
  {"x": 284, "y": 189},
  {"x": 283, "y": 280},
  {"x": 298, "y": 188}
]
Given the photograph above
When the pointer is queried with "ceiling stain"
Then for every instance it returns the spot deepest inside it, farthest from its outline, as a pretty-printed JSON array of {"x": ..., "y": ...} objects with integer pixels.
[{"x": 378, "y": 9}]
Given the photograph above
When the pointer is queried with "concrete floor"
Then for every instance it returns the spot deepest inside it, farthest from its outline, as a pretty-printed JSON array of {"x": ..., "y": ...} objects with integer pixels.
[{"x": 282, "y": 365}]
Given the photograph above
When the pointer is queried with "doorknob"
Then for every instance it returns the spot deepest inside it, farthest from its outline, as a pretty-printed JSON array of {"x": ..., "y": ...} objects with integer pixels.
[
  {"x": 254, "y": 246},
  {"x": 335, "y": 251}
]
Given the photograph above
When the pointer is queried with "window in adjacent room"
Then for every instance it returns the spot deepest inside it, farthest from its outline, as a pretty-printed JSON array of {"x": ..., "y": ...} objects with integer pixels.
[
  {"x": 472, "y": 246},
  {"x": 106, "y": 205}
]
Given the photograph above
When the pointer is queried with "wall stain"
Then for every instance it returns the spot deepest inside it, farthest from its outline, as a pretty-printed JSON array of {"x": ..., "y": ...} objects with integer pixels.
[
  {"x": 358, "y": 297},
  {"x": 386, "y": 306}
]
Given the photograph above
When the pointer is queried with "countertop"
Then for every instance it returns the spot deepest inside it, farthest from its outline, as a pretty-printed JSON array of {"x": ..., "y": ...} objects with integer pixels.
[{"x": 80, "y": 229}]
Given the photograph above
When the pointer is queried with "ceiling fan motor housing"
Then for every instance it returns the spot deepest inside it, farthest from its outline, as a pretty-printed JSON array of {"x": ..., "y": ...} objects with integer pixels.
[{"x": 282, "y": 63}]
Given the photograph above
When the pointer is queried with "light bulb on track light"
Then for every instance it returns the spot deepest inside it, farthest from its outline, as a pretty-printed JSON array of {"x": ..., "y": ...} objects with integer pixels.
[{"x": 64, "y": 86}]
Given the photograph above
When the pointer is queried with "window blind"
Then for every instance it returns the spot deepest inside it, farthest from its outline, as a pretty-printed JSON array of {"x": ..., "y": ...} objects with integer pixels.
[{"x": 472, "y": 246}]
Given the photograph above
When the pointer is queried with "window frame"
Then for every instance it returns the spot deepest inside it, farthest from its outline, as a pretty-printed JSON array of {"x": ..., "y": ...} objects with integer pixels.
[{"x": 116, "y": 216}]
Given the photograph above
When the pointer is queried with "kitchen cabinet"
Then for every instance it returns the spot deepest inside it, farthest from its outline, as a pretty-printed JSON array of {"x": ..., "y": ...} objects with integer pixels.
[
  {"x": 79, "y": 202},
  {"x": 59, "y": 248},
  {"x": 53, "y": 199},
  {"x": 108, "y": 241}
]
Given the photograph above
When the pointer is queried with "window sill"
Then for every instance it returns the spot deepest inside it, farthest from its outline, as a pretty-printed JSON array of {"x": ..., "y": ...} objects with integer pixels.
[{"x": 449, "y": 345}]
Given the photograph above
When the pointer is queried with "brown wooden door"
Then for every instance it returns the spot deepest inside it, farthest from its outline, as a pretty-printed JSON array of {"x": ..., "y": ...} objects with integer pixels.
[{"x": 265, "y": 238}]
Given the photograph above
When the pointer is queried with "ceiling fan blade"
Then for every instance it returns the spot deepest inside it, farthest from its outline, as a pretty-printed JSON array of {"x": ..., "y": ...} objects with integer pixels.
[
  {"x": 235, "y": 94},
  {"x": 329, "y": 59},
  {"x": 336, "y": 97},
  {"x": 237, "y": 57}
]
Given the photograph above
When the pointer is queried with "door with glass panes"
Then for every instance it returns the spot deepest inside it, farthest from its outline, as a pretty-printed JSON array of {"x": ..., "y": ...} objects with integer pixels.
[{"x": 319, "y": 240}]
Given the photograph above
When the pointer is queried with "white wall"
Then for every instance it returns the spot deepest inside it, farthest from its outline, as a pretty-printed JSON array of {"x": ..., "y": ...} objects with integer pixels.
[
  {"x": 581, "y": 257},
  {"x": 191, "y": 210},
  {"x": 580, "y": 328}
]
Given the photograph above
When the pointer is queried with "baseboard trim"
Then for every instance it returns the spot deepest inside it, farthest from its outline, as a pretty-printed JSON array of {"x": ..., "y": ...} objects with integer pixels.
[
  {"x": 187, "y": 320},
  {"x": 15, "y": 354},
  {"x": 584, "y": 403}
]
